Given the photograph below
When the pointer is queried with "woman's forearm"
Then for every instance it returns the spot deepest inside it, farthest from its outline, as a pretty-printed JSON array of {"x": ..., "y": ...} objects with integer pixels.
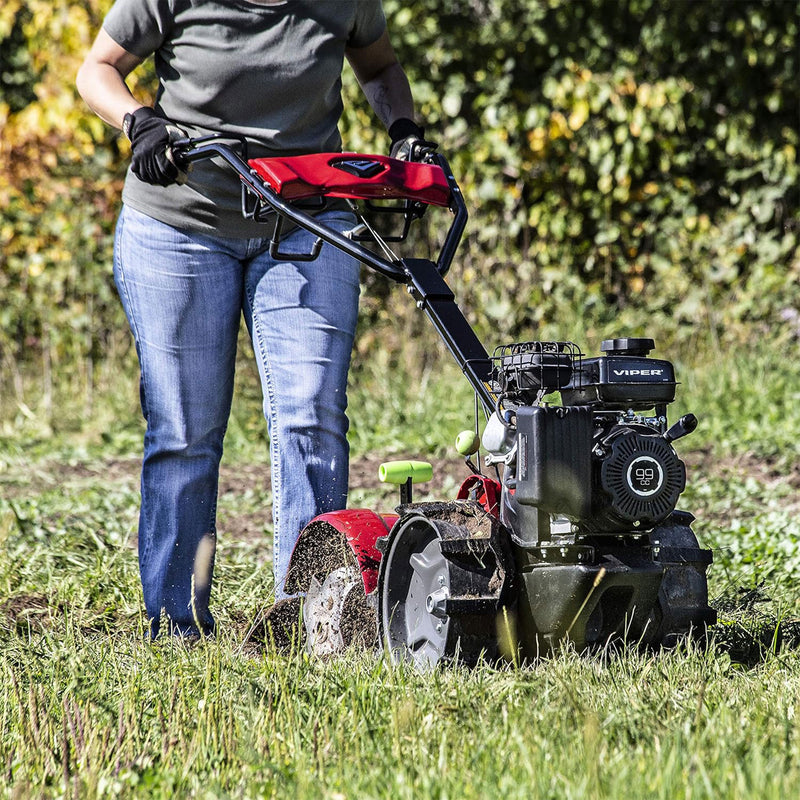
[
  {"x": 383, "y": 80},
  {"x": 389, "y": 94},
  {"x": 101, "y": 80}
]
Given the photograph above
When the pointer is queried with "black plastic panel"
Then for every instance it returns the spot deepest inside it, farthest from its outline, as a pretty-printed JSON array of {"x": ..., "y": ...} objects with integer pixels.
[
  {"x": 554, "y": 459},
  {"x": 621, "y": 382}
]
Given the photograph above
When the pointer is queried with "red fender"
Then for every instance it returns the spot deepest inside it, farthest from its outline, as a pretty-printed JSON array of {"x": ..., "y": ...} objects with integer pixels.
[
  {"x": 324, "y": 538},
  {"x": 483, "y": 490}
]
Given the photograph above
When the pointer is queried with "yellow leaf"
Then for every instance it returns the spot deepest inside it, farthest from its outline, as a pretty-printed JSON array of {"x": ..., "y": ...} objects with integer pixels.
[
  {"x": 537, "y": 139},
  {"x": 627, "y": 86},
  {"x": 8, "y": 15},
  {"x": 558, "y": 126},
  {"x": 579, "y": 115}
]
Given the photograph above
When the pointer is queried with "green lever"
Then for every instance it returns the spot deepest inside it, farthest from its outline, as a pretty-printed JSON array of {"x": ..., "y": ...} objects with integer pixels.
[
  {"x": 404, "y": 474},
  {"x": 400, "y": 471}
]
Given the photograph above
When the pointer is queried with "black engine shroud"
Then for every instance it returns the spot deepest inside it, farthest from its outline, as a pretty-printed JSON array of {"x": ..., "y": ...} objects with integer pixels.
[
  {"x": 640, "y": 474},
  {"x": 596, "y": 459}
]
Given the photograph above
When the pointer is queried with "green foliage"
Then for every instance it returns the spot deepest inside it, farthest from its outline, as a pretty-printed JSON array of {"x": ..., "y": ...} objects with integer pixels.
[
  {"x": 747, "y": 400},
  {"x": 622, "y": 156},
  {"x": 17, "y": 75},
  {"x": 628, "y": 166},
  {"x": 90, "y": 710},
  {"x": 60, "y": 180},
  {"x": 93, "y": 717}
]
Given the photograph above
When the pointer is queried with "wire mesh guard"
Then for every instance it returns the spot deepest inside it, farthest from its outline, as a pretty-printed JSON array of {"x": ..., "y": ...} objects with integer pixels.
[{"x": 523, "y": 372}]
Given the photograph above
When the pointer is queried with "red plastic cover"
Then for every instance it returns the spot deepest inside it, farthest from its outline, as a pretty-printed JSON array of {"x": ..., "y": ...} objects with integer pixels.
[
  {"x": 354, "y": 176},
  {"x": 482, "y": 490}
]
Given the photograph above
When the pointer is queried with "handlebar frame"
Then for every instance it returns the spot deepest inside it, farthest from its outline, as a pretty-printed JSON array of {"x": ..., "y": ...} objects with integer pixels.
[
  {"x": 424, "y": 278},
  {"x": 189, "y": 150}
]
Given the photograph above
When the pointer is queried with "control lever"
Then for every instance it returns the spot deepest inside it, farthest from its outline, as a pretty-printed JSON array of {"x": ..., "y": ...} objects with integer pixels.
[{"x": 683, "y": 427}]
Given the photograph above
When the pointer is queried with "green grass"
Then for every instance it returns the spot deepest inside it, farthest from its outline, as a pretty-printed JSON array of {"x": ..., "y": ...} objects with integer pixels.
[
  {"x": 88, "y": 710},
  {"x": 102, "y": 715}
]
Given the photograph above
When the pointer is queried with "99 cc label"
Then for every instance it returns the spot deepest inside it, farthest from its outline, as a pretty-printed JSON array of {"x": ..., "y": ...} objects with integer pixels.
[{"x": 645, "y": 476}]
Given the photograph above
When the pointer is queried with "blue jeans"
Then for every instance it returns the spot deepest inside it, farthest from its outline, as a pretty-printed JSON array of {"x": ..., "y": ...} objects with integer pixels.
[{"x": 183, "y": 293}]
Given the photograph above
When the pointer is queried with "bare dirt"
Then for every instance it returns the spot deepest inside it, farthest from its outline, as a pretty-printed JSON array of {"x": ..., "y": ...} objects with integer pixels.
[
  {"x": 28, "y": 612},
  {"x": 248, "y": 526}
]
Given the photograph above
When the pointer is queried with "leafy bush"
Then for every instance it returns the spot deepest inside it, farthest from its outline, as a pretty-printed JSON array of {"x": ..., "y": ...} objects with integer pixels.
[
  {"x": 626, "y": 164},
  {"x": 60, "y": 180},
  {"x": 621, "y": 157}
]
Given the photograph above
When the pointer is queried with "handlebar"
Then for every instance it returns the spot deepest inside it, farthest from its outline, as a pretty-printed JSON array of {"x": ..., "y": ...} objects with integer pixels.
[
  {"x": 186, "y": 151},
  {"x": 424, "y": 278}
]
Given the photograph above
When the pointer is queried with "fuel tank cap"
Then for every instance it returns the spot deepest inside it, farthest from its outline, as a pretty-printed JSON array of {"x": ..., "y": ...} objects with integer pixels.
[{"x": 628, "y": 346}]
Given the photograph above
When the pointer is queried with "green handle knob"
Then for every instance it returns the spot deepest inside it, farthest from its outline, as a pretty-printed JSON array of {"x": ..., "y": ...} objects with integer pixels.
[
  {"x": 400, "y": 471},
  {"x": 468, "y": 443}
]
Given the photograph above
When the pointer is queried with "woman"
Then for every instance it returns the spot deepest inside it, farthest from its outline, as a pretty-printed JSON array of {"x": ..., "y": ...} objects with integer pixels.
[{"x": 187, "y": 263}]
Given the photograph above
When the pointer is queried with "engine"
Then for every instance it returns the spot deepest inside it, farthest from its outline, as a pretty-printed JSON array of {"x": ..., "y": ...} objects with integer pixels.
[{"x": 603, "y": 457}]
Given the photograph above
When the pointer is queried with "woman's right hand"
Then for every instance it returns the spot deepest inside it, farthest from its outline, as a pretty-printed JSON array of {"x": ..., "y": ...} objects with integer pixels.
[
  {"x": 151, "y": 156},
  {"x": 101, "y": 82}
]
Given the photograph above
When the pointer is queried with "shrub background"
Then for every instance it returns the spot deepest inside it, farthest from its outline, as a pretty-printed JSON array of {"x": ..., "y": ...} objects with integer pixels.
[{"x": 629, "y": 166}]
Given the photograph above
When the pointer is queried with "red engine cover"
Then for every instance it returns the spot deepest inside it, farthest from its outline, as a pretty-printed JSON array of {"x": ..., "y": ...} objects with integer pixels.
[{"x": 354, "y": 176}]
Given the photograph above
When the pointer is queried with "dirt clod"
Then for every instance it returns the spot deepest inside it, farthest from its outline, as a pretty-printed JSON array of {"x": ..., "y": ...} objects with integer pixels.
[
  {"x": 320, "y": 550},
  {"x": 359, "y": 625},
  {"x": 281, "y": 626}
]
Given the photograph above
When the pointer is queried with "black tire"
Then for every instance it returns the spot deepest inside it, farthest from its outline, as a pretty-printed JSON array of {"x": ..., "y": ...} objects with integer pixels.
[{"x": 682, "y": 608}]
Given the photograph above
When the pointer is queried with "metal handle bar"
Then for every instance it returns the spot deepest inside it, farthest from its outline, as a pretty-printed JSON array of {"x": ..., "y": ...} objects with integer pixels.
[{"x": 189, "y": 150}]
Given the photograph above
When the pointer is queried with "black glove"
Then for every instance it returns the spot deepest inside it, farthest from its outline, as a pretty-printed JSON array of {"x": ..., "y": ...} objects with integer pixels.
[
  {"x": 408, "y": 140},
  {"x": 151, "y": 155}
]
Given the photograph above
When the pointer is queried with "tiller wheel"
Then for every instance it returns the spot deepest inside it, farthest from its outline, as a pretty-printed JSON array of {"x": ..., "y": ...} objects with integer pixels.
[{"x": 443, "y": 583}]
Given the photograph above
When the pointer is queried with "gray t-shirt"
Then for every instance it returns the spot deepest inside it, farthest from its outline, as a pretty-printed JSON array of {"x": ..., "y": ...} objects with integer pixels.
[{"x": 269, "y": 72}]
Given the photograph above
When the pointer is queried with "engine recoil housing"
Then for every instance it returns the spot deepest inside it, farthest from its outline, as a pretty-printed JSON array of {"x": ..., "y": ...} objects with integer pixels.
[{"x": 637, "y": 479}]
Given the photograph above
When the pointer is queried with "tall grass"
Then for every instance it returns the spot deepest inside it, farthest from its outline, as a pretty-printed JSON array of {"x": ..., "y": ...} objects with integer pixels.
[
  {"x": 90, "y": 715},
  {"x": 87, "y": 709}
]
